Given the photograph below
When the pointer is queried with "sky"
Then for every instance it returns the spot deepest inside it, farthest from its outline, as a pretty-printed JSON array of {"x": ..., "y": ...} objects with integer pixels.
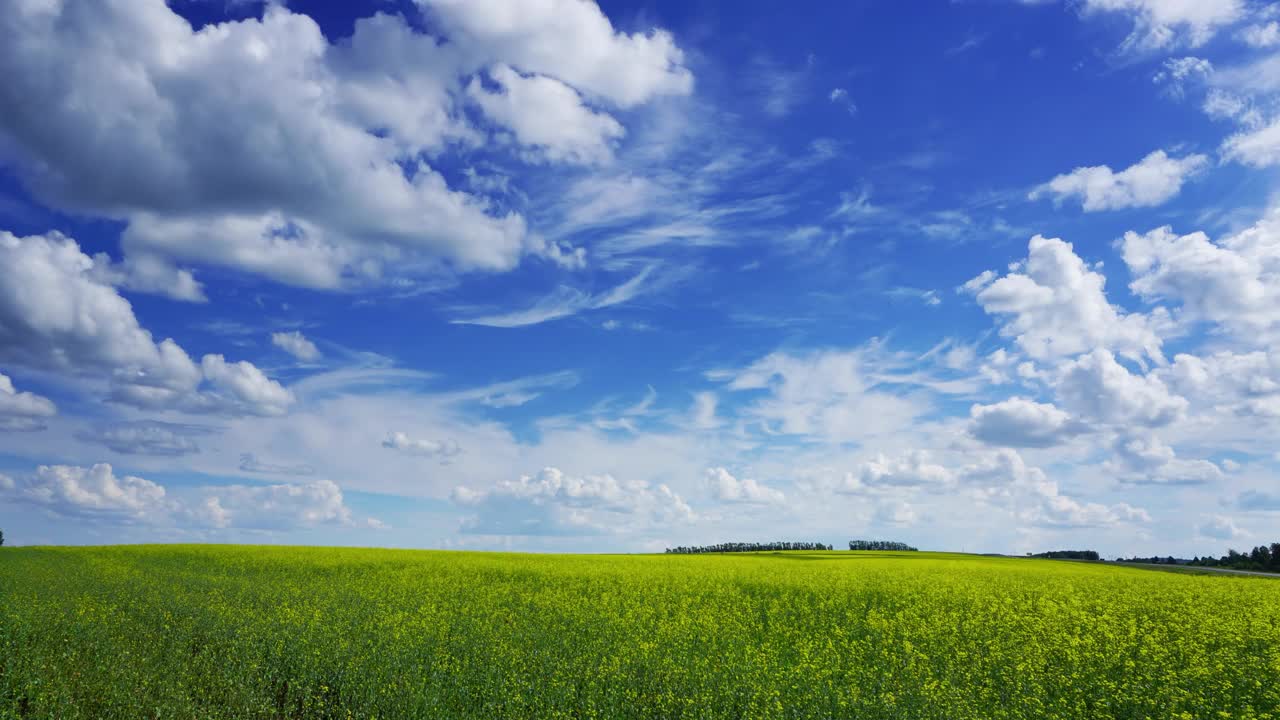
[{"x": 547, "y": 275}]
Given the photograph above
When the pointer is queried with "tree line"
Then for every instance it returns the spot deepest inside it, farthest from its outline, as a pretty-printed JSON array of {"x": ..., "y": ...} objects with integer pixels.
[
  {"x": 1263, "y": 558},
  {"x": 748, "y": 547},
  {"x": 1067, "y": 555},
  {"x": 880, "y": 545}
]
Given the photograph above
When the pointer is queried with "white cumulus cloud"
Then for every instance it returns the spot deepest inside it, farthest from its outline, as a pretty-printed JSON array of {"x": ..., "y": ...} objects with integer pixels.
[
  {"x": 547, "y": 116},
  {"x": 258, "y": 145},
  {"x": 422, "y": 447},
  {"x": 727, "y": 488},
  {"x": 56, "y": 312},
  {"x": 1146, "y": 460},
  {"x": 555, "y": 503},
  {"x": 1233, "y": 286},
  {"x": 23, "y": 411},
  {"x": 1054, "y": 306},
  {"x": 1020, "y": 422},
  {"x": 276, "y": 507},
  {"x": 296, "y": 344},
  {"x": 94, "y": 492},
  {"x": 1150, "y": 182},
  {"x": 571, "y": 40},
  {"x": 1097, "y": 387}
]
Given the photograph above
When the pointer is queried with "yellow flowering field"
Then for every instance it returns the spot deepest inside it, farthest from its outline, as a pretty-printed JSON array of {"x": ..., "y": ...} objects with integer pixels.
[{"x": 279, "y": 632}]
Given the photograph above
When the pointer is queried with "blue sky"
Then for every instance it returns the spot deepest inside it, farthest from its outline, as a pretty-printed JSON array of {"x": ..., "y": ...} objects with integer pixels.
[{"x": 559, "y": 276}]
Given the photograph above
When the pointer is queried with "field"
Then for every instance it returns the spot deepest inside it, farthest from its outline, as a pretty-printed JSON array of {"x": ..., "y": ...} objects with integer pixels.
[{"x": 271, "y": 632}]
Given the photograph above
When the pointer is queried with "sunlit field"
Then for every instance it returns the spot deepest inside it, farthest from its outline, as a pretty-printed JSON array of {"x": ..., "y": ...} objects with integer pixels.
[{"x": 272, "y": 632}]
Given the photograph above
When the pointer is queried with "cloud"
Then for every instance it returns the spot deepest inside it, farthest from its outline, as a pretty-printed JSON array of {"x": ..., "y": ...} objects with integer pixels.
[
  {"x": 1220, "y": 527},
  {"x": 287, "y": 249},
  {"x": 257, "y": 145},
  {"x": 424, "y": 448},
  {"x": 1177, "y": 72},
  {"x": 897, "y": 513},
  {"x": 827, "y": 394},
  {"x": 1063, "y": 512},
  {"x": 1152, "y": 181},
  {"x": 1256, "y": 77},
  {"x": 23, "y": 411},
  {"x": 1019, "y": 422},
  {"x": 928, "y": 297},
  {"x": 147, "y": 438},
  {"x": 1096, "y": 387},
  {"x": 1145, "y": 460},
  {"x": 840, "y": 97},
  {"x": 554, "y": 503},
  {"x": 1238, "y": 384},
  {"x": 93, "y": 493},
  {"x": 98, "y": 494},
  {"x": 1163, "y": 24},
  {"x": 277, "y": 507},
  {"x": 565, "y": 302},
  {"x": 1259, "y": 148},
  {"x": 727, "y": 488},
  {"x": 998, "y": 472},
  {"x": 911, "y": 470},
  {"x": 1262, "y": 35},
  {"x": 573, "y": 41},
  {"x": 995, "y": 478},
  {"x": 241, "y": 119},
  {"x": 1233, "y": 285},
  {"x": 970, "y": 42},
  {"x": 56, "y": 313},
  {"x": 1224, "y": 105},
  {"x": 1041, "y": 502},
  {"x": 514, "y": 393},
  {"x": 547, "y": 116},
  {"x": 1258, "y": 501},
  {"x": 296, "y": 344},
  {"x": 1054, "y": 306},
  {"x": 857, "y": 207},
  {"x": 704, "y": 410},
  {"x": 149, "y": 274},
  {"x": 250, "y": 463},
  {"x": 780, "y": 89},
  {"x": 605, "y": 198},
  {"x": 242, "y": 388}
]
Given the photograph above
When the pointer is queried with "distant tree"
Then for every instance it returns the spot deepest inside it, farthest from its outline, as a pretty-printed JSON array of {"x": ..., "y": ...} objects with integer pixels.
[
  {"x": 1, "y": 538},
  {"x": 747, "y": 547},
  {"x": 1263, "y": 558},
  {"x": 1067, "y": 555},
  {"x": 880, "y": 545},
  {"x": 1261, "y": 555}
]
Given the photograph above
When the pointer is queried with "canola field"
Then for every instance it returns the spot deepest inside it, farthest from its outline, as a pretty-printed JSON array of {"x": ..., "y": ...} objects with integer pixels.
[{"x": 274, "y": 632}]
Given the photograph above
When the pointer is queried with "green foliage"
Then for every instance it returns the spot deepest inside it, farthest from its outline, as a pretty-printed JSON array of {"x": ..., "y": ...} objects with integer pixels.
[
  {"x": 1068, "y": 555},
  {"x": 271, "y": 632},
  {"x": 1263, "y": 558},
  {"x": 880, "y": 545},
  {"x": 748, "y": 547}
]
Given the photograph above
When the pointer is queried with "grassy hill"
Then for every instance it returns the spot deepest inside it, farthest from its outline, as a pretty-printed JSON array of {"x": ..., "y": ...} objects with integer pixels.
[{"x": 275, "y": 632}]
